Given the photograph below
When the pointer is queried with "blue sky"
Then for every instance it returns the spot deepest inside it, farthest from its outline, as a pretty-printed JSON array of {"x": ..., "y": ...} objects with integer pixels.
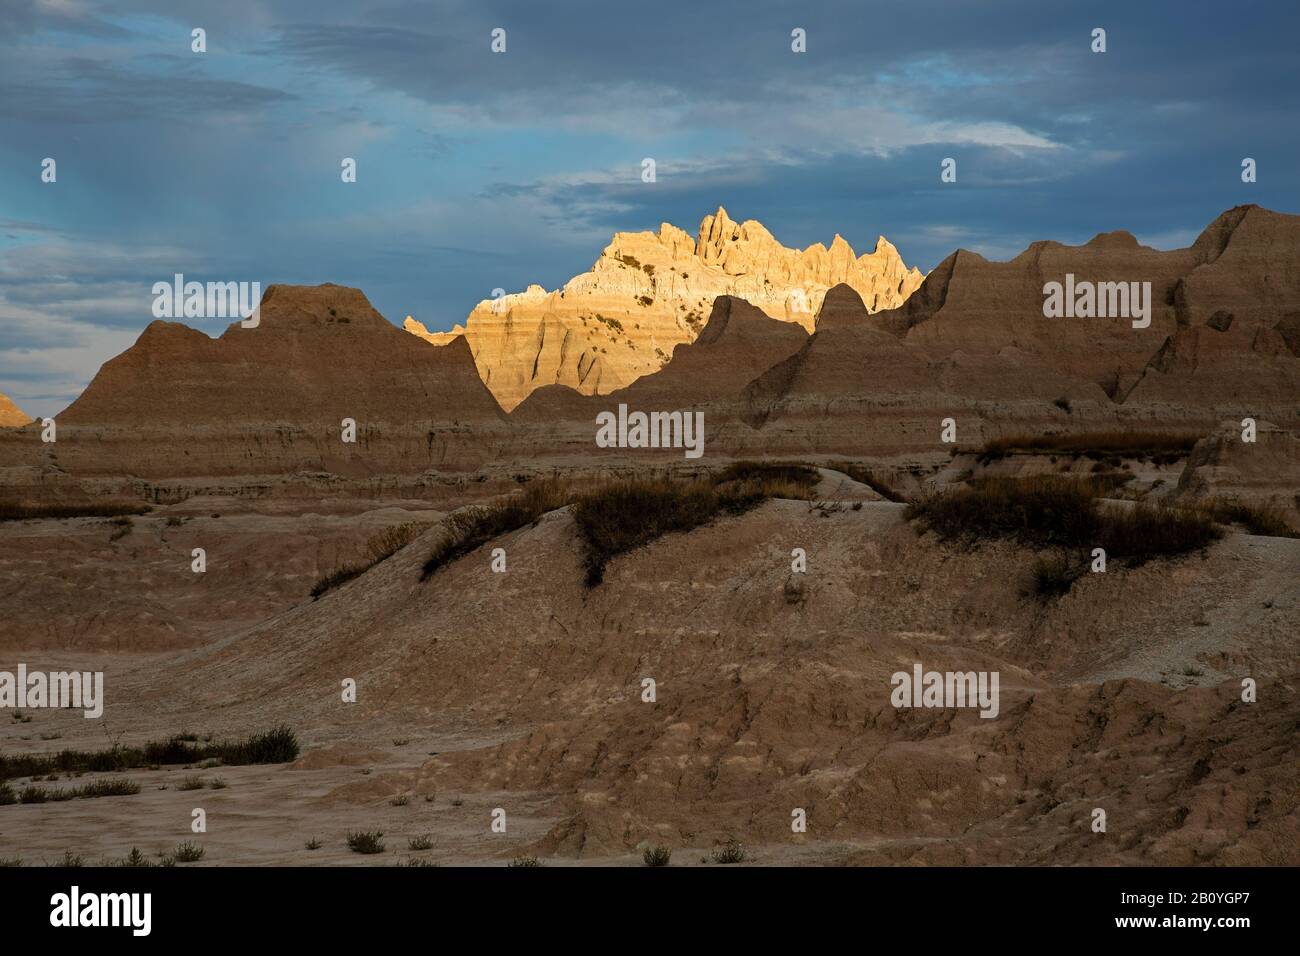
[{"x": 479, "y": 170}]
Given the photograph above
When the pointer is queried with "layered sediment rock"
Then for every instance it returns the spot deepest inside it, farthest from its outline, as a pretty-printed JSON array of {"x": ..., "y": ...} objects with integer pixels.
[
  {"x": 272, "y": 400},
  {"x": 973, "y": 343}
]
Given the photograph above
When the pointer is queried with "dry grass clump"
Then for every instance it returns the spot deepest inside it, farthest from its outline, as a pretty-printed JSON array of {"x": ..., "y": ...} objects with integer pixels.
[
  {"x": 1162, "y": 448},
  {"x": 1054, "y": 512},
  {"x": 656, "y": 855},
  {"x": 86, "y": 509},
  {"x": 1052, "y": 575},
  {"x": 770, "y": 479},
  {"x": 277, "y": 745},
  {"x": 627, "y": 514},
  {"x": 99, "y": 788},
  {"x": 1268, "y": 520},
  {"x": 733, "y": 851},
  {"x": 381, "y": 546},
  {"x": 1041, "y": 511},
  {"x": 474, "y": 527},
  {"x": 366, "y": 841}
]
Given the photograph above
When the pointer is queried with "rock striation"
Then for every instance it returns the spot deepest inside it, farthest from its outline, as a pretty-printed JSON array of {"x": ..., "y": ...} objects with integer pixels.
[
  {"x": 272, "y": 399},
  {"x": 973, "y": 343}
]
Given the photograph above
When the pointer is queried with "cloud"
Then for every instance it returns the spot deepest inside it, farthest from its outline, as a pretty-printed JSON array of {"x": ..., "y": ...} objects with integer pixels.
[{"x": 480, "y": 170}]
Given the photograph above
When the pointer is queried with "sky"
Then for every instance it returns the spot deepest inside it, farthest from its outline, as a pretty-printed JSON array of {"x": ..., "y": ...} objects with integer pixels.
[{"x": 479, "y": 170}]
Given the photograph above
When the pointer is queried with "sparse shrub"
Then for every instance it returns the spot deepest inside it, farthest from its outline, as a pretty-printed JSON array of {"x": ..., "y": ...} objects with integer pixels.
[
  {"x": 7, "y": 795},
  {"x": 7, "y": 862},
  {"x": 730, "y": 852},
  {"x": 135, "y": 859},
  {"x": 366, "y": 841},
  {"x": 525, "y": 861},
  {"x": 30, "y": 794},
  {"x": 471, "y": 528},
  {"x": 188, "y": 852},
  {"x": 422, "y": 842},
  {"x": 277, "y": 745},
  {"x": 400, "y": 800},
  {"x": 1052, "y": 576},
  {"x": 216, "y": 783},
  {"x": 70, "y": 860},
  {"x": 191, "y": 783},
  {"x": 656, "y": 855}
]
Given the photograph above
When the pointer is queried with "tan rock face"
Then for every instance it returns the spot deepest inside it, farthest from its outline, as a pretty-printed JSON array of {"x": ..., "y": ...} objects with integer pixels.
[
  {"x": 652, "y": 291},
  {"x": 272, "y": 399},
  {"x": 973, "y": 343},
  {"x": 11, "y": 415}
]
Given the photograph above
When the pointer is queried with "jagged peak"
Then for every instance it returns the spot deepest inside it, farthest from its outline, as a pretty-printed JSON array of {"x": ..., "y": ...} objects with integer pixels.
[{"x": 11, "y": 416}]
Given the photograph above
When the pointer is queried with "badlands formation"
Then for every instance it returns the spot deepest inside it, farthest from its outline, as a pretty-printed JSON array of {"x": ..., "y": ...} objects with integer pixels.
[
  {"x": 650, "y": 292},
  {"x": 263, "y": 407},
  {"x": 523, "y": 690}
]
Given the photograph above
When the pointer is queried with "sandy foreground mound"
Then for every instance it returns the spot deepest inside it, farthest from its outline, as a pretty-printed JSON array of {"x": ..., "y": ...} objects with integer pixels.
[{"x": 523, "y": 691}]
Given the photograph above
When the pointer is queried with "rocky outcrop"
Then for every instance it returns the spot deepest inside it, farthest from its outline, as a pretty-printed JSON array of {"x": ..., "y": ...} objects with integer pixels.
[
  {"x": 272, "y": 400},
  {"x": 738, "y": 343},
  {"x": 973, "y": 343},
  {"x": 1265, "y": 471},
  {"x": 649, "y": 292},
  {"x": 11, "y": 415}
]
